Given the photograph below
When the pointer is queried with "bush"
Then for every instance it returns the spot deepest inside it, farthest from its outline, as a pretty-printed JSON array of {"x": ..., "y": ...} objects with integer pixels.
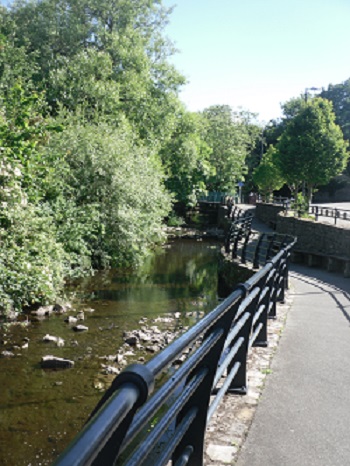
[
  {"x": 32, "y": 262},
  {"x": 118, "y": 184}
]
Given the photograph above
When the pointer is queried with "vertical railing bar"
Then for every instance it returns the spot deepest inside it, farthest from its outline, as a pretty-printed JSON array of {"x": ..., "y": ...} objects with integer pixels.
[
  {"x": 145, "y": 449},
  {"x": 228, "y": 358},
  {"x": 180, "y": 431},
  {"x": 221, "y": 392}
]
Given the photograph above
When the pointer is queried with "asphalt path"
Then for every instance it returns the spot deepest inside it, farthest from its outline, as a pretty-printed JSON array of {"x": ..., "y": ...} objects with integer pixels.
[{"x": 303, "y": 417}]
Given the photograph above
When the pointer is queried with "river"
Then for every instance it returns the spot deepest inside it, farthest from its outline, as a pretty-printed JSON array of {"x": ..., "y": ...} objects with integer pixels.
[{"x": 42, "y": 410}]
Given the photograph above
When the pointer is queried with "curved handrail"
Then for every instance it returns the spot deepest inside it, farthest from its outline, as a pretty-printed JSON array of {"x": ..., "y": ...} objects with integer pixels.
[{"x": 219, "y": 345}]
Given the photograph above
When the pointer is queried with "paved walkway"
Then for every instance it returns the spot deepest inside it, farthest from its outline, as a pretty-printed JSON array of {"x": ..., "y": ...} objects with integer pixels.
[{"x": 303, "y": 417}]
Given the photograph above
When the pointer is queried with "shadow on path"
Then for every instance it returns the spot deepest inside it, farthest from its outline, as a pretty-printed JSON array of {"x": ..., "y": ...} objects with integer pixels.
[{"x": 335, "y": 286}]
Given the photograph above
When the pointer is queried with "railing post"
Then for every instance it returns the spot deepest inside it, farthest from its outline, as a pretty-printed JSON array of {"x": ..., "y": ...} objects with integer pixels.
[
  {"x": 283, "y": 275},
  {"x": 244, "y": 249},
  {"x": 236, "y": 236},
  {"x": 257, "y": 251},
  {"x": 239, "y": 384},
  {"x": 266, "y": 284},
  {"x": 194, "y": 437}
]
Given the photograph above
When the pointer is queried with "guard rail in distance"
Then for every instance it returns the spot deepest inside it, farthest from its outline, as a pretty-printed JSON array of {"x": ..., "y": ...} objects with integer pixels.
[
  {"x": 332, "y": 212},
  {"x": 316, "y": 210},
  {"x": 134, "y": 424}
]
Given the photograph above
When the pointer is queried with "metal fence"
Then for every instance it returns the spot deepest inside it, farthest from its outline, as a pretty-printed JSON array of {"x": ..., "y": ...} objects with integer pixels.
[
  {"x": 330, "y": 212},
  {"x": 136, "y": 424},
  {"x": 317, "y": 211},
  {"x": 218, "y": 197}
]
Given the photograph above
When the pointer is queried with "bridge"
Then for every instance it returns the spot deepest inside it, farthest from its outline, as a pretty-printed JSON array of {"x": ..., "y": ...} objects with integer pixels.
[{"x": 308, "y": 386}]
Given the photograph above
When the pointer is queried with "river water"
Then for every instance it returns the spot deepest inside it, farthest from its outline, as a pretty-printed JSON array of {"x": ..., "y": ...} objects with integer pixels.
[{"x": 42, "y": 410}]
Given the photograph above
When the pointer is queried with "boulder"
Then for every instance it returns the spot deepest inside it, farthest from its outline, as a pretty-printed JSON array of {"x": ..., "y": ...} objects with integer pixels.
[
  {"x": 43, "y": 311},
  {"x": 110, "y": 370},
  {"x": 80, "y": 328},
  {"x": 71, "y": 320},
  {"x": 131, "y": 340},
  {"x": 152, "y": 349},
  {"x": 7, "y": 354},
  {"x": 52, "y": 362},
  {"x": 61, "y": 308},
  {"x": 51, "y": 338}
]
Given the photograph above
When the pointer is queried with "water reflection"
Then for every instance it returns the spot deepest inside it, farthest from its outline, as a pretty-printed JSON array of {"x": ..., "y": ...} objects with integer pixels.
[{"x": 40, "y": 411}]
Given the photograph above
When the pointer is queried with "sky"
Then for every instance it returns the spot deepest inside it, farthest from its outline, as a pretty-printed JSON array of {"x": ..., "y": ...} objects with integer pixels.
[{"x": 257, "y": 54}]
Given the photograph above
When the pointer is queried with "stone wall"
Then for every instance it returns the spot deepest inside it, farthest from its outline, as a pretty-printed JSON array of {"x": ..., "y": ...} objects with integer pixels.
[
  {"x": 318, "y": 244},
  {"x": 268, "y": 213},
  {"x": 315, "y": 237}
]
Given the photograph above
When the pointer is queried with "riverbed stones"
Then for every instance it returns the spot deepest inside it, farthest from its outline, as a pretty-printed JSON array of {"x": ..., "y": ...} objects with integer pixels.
[
  {"x": 130, "y": 338},
  {"x": 53, "y": 362},
  {"x": 80, "y": 328},
  {"x": 53, "y": 339},
  {"x": 71, "y": 320},
  {"x": 43, "y": 311},
  {"x": 153, "y": 349},
  {"x": 7, "y": 354},
  {"x": 119, "y": 359},
  {"x": 61, "y": 308},
  {"x": 110, "y": 370},
  {"x": 11, "y": 315},
  {"x": 80, "y": 315}
]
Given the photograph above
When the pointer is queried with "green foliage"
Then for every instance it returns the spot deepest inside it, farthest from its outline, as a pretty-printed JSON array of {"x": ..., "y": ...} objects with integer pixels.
[
  {"x": 301, "y": 205},
  {"x": 312, "y": 149},
  {"x": 94, "y": 142},
  {"x": 339, "y": 95},
  {"x": 186, "y": 159},
  {"x": 267, "y": 176},
  {"x": 87, "y": 99},
  {"x": 103, "y": 56},
  {"x": 120, "y": 183},
  {"x": 32, "y": 262},
  {"x": 229, "y": 135}
]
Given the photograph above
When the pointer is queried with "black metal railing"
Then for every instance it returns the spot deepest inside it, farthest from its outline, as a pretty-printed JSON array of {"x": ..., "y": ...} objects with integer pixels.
[
  {"x": 239, "y": 231},
  {"x": 136, "y": 424},
  {"x": 218, "y": 197},
  {"x": 317, "y": 211},
  {"x": 330, "y": 212}
]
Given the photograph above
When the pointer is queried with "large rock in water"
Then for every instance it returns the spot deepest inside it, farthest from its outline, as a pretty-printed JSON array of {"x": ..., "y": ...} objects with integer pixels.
[{"x": 52, "y": 362}]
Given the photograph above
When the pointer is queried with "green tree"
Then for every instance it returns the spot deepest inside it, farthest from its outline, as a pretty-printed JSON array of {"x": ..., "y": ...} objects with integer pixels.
[
  {"x": 32, "y": 262},
  {"x": 339, "y": 95},
  {"x": 229, "y": 135},
  {"x": 102, "y": 174},
  {"x": 185, "y": 158},
  {"x": 267, "y": 176},
  {"x": 105, "y": 55},
  {"x": 312, "y": 149}
]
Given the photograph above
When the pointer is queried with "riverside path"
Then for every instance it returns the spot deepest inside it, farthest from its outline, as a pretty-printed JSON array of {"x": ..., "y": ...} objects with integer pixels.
[{"x": 303, "y": 417}]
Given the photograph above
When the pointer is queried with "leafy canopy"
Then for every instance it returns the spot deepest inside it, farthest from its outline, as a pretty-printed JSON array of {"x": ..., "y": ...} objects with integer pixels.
[{"x": 312, "y": 148}]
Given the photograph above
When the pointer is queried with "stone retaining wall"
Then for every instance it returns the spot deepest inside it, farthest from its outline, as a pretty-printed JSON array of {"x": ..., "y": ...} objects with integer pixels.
[
  {"x": 316, "y": 237},
  {"x": 319, "y": 244},
  {"x": 268, "y": 213}
]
